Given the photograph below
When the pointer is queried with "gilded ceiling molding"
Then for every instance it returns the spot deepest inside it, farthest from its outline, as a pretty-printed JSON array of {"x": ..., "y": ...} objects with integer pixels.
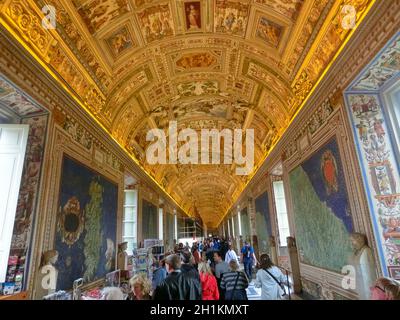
[
  {"x": 325, "y": 48},
  {"x": 71, "y": 32},
  {"x": 136, "y": 65},
  {"x": 25, "y": 20}
]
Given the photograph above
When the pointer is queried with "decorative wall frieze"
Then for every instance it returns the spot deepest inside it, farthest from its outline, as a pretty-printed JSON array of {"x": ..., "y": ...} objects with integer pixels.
[
  {"x": 93, "y": 99},
  {"x": 380, "y": 173},
  {"x": 315, "y": 122},
  {"x": 322, "y": 54},
  {"x": 80, "y": 135},
  {"x": 301, "y": 89}
]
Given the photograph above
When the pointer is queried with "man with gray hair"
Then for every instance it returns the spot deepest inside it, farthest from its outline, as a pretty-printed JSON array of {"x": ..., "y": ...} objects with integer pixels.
[{"x": 177, "y": 286}]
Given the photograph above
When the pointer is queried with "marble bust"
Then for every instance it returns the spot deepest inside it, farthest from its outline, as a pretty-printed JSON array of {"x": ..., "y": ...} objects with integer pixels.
[{"x": 364, "y": 264}]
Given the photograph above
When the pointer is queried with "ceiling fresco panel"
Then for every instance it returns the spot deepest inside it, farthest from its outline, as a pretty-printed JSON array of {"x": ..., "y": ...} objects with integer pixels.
[
  {"x": 197, "y": 61},
  {"x": 156, "y": 22},
  {"x": 120, "y": 41},
  {"x": 193, "y": 16},
  {"x": 270, "y": 30},
  {"x": 96, "y": 14},
  {"x": 16, "y": 101},
  {"x": 288, "y": 8},
  {"x": 231, "y": 17}
]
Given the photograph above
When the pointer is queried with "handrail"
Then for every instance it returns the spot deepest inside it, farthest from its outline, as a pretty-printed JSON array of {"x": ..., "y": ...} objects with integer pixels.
[
  {"x": 283, "y": 268},
  {"x": 287, "y": 271}
]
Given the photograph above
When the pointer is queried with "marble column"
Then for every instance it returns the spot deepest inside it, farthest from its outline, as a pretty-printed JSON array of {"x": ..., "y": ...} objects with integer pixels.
[
  {"x": 294, "y": 264},
  {"x": 175, "y": 228},
  {"x": 253, "y": 230},
  {"x": 274, "y": 251}
]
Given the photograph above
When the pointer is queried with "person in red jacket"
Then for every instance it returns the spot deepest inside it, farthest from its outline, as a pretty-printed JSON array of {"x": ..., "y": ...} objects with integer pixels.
[{"x": 208, "y": 282}]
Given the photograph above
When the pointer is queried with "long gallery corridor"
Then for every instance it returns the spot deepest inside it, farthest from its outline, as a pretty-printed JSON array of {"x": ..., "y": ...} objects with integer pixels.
[{"x": 199, "y": 150}]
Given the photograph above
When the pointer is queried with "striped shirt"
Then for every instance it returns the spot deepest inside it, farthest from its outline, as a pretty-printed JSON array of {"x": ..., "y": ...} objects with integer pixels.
[{"x": 229, "y": 279}]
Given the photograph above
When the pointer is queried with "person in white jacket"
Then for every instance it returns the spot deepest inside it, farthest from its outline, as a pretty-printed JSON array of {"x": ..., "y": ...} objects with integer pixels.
[
  {"x": 270, "y": 288},
  {"x": 231, "y": 255}
]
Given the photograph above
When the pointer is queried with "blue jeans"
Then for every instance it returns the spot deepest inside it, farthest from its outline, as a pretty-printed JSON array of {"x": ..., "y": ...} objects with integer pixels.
[{"x": 248, "y": 268}]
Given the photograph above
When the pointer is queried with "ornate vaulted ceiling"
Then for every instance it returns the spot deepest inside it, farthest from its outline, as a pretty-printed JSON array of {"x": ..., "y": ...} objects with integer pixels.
[{"x": 138, "y": 64}]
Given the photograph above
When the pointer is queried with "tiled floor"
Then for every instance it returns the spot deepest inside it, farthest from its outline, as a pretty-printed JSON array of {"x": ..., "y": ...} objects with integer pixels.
[{"x": 254, "y": 293}]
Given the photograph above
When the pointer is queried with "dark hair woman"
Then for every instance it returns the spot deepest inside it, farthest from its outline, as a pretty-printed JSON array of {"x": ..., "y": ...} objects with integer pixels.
[{"x": 270, "y": 279}]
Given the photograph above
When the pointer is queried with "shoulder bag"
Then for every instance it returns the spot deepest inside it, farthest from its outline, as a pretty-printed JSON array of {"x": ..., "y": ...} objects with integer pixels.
[
  {"x": 236, "y": 294},
  {"x": 279, "y": 283}
]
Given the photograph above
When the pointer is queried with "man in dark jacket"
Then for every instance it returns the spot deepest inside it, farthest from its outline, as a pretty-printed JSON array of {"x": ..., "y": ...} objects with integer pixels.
[
  {"x": 224, "y": 248},
  {"x": 210, "y": 256},
  {"x": 177, "y": 285},
  {"x": 190, "y": 272},
  {"x": 187, "y": 267}
]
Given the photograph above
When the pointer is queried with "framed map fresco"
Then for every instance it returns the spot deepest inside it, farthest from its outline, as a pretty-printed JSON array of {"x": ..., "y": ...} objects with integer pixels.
[
  {"x": 263, "y": 223},
  {"x": 149, "y": 220},
  {"x": 86, "y": 224},
  {"x": 245, "y": 224},
  {"x": 321, "y": 209}
]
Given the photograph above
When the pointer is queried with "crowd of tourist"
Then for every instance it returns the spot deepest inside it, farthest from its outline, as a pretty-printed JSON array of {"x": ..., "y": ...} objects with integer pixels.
[{"x": 210, "y": 270}]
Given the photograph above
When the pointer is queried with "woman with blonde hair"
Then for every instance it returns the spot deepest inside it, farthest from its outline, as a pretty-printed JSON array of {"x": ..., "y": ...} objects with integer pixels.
[
  {"x": 235, "y": 283},
  {"x": 385, "y": 289},
  {"x": 208, "y": 282},
  {"x": 141, "y": 287}
]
